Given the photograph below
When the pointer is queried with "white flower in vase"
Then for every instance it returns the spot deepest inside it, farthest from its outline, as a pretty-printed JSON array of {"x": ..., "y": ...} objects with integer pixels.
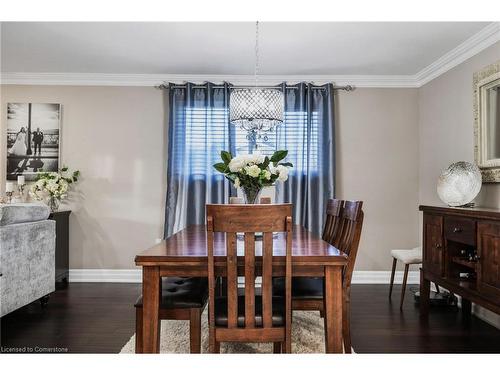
[
  {"x": 53, "y": 186},
  {"x": 252, "y": 172}
]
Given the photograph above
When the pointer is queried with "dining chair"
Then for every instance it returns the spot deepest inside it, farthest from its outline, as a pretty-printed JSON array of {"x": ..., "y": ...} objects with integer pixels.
[
  {"x": 182, "y": 298},
  {"x": 407, "y": 257},
  {"x": 308, "y": 292},
  {"x": 331, "y": 230},
  {"x": 249, "y": 317}
]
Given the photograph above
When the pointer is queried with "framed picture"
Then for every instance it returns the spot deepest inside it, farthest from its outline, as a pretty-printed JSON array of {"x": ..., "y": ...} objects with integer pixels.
[{"x": 33, "y": 136}]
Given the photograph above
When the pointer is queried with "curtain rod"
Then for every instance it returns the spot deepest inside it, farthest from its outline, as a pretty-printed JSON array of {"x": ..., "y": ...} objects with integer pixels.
[{"x": 167, "y": 86}]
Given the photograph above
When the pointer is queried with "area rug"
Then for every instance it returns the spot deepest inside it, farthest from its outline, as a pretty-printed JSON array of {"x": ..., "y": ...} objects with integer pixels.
[{"x": 307, "y": 337}]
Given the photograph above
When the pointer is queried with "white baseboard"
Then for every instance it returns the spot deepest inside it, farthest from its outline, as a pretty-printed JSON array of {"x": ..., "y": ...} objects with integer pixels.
[
  {"x": 384, "y": 277},
  {"x": 135, "y": 276},
  {"x": 105, "y": 276}
]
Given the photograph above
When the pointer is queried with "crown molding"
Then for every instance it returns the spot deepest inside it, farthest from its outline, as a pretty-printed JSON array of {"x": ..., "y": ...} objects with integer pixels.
[
  {"x": 475, "y": 44},
  {"x": 472, "y": 46},
  {"x": 104, "y": 79}
]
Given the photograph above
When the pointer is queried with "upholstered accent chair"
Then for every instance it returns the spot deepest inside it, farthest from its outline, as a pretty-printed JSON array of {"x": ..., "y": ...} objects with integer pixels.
[{"x": 27, "y": 255}]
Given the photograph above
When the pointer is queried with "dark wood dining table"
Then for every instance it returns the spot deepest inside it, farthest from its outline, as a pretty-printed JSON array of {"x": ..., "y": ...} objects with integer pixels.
[{"x": 185, "y": 254}]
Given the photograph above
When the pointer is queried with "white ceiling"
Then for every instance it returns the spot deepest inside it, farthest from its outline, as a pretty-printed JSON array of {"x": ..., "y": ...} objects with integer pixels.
[{"x": 290, "y": 48}]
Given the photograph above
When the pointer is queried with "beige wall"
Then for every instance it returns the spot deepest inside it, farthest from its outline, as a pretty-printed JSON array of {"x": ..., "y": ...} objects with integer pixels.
[
  {"x": 116, "y": 137},
  {"x": 377, "y": 162},
  {"x": 446, "y": 126}
]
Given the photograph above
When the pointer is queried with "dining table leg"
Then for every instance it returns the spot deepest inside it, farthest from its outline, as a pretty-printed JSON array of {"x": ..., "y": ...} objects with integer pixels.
[
  {"x": 333, "y": 309},
  {"x": 151, "y": 304}
]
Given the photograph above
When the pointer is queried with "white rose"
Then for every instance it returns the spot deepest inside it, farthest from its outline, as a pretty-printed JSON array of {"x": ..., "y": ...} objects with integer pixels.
[
  {"x": 51, "y": 186},
  {"x": 250, "y": 159},
  {"x": 63, "y": 186},
  {"x": 253, "y": 171},
  {"x": 237, "y": 183},
  {"x": 258, "y": 158},
  {"x": 267, "y": 175},
  {"x": 283, "y": 173},
  {"x": 236, "y": 164}
]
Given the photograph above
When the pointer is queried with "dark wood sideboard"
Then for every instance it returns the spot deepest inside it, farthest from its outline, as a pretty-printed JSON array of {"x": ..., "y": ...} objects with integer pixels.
[
  {"x": 450, "y": 237},
  {"x": 62, "y": 245}
]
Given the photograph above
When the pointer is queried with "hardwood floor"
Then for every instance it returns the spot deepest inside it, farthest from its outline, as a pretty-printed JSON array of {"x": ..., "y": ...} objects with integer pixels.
[{"x": 99, "y": 318}]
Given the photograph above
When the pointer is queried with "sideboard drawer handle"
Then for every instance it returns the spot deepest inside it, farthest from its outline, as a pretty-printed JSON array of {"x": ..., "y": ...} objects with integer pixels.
[
  {"x": 438, "y": 246},
  {"x": 457, "y": 230}
]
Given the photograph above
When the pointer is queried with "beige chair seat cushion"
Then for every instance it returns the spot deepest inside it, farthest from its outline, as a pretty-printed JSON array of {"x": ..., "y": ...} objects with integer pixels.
[{"x": 413, "y": 256}]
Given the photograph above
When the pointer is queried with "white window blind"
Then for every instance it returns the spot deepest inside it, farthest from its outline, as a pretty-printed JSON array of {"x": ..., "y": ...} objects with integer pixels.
[{"x": 207, "y": 133}]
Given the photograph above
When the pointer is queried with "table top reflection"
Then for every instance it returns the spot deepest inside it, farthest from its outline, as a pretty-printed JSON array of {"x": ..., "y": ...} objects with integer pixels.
[{"x": 190, "y": 245}]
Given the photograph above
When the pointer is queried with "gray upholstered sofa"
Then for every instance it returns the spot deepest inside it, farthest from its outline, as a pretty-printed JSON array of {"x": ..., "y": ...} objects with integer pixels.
[{"x": 27, "y": 255}]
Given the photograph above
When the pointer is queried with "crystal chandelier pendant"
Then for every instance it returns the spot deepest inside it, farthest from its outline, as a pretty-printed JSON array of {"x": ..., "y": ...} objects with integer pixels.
[{"x": 257, "y": 110}]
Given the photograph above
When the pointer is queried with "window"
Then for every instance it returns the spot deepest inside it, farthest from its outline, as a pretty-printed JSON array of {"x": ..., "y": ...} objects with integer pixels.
[
  {"x": 207, "y": 133},
  {"x": 291, "y": 136}
]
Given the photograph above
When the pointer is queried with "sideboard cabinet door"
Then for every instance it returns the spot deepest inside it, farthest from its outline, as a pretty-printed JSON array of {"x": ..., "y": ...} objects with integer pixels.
[
  {"x": 433, "y": 244},
  {"x": 488, "y": 241}
]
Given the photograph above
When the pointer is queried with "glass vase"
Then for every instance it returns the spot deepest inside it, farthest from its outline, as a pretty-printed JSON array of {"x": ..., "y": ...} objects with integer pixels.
[
  {"x": 53, "y": 203},
  {"x": 251, "y": 194}
]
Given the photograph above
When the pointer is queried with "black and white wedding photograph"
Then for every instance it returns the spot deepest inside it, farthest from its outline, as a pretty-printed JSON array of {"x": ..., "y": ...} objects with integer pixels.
[{"x": 32, "y": 139}]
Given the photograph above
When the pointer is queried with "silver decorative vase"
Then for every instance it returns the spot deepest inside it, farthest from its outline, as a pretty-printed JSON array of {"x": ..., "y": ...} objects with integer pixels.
[{"x": 53, "y": 203}]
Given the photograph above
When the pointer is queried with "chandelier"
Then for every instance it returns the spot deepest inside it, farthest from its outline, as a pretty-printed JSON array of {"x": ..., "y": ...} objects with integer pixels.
[{"x": 256, "y": 109}]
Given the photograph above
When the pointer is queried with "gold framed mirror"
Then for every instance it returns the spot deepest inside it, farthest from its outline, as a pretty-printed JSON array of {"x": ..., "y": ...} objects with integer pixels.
[{"x": 487, "y": 121}]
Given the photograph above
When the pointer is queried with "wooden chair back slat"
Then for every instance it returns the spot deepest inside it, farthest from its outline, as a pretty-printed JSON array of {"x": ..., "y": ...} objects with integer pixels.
[
  {"x": 267, "y": 279},
  {"x": 350, "y": 234},
  {"x": 211, "y": 267},
  {"x": 250, "y": 280},
  {"x": 332, "y": 229},
  {"x": 248, "y": 219},
  {"x": 232, "y": 280}
]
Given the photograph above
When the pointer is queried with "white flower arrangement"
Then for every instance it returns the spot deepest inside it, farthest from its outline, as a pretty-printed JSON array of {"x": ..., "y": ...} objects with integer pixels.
[
  {"x": 254, "y": 171},
  {"x": 53, "y": 184}
]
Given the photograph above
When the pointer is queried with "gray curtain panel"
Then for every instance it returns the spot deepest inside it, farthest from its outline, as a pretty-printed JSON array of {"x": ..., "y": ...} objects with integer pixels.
[
  {"x": 199, "y": 129},
  {"x": 309, "y": 136}
]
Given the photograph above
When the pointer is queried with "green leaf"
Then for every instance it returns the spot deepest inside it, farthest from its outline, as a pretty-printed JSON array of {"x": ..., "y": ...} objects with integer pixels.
[
  {"x": 226, "y": 157},
  {"x": 266, "y": 162},
  {"x": 279, "y": 155},
  {"x": 286, "y": 164},
  {"x": 220, "y": 167},
  {"x": 64, "y": 169}
]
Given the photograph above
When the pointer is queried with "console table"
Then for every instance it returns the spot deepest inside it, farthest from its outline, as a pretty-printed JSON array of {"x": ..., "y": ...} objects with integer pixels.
[
  {"x": 62, "y": 245},
  {"x": 461, "y": 252}
]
